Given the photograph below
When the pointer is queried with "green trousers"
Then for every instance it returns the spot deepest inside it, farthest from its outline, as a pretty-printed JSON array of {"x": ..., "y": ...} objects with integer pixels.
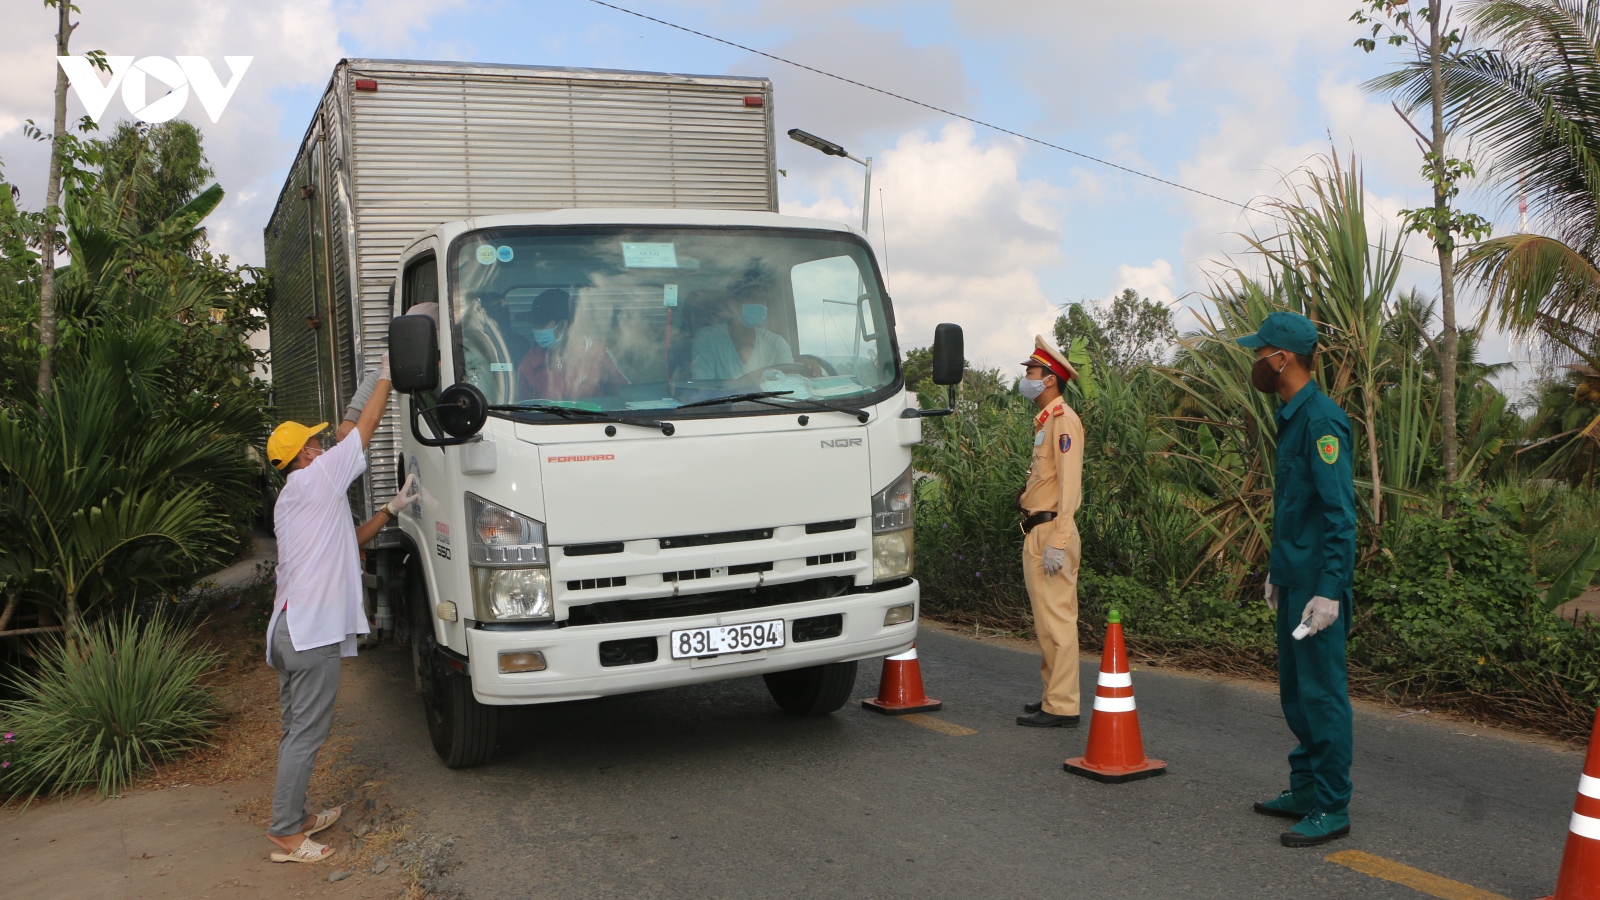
[{"x": 1315, "y": 694}]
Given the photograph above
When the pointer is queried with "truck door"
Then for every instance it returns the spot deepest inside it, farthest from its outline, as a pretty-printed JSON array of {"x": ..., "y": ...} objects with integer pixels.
[{"x": 420, "y": 284}]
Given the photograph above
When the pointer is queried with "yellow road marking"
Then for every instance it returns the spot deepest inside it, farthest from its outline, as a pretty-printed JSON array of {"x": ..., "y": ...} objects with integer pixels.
[
  {"x": 939, "y": 725},
  {"x": 1416, "y": 879}
]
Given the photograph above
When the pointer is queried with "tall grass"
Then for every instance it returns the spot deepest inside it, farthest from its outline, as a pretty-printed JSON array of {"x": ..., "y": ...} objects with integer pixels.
[{"x": 130, "y": 697}]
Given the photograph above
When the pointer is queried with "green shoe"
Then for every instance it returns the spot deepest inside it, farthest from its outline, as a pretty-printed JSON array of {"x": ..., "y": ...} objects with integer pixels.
[
  {"x": 1318, "y": 828},
  {"x": 1289, "y": 804}
]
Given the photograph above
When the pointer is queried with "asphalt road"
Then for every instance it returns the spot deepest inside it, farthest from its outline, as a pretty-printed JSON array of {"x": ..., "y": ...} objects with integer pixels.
[{"x": 710, "y": 791}]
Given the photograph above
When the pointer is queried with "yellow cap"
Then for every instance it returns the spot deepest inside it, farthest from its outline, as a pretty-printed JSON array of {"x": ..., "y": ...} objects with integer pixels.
[{"x": 287, "y": 440}]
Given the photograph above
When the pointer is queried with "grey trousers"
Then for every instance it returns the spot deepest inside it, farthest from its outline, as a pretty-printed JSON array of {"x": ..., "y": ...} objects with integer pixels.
[{"x": 308, "y": 680}]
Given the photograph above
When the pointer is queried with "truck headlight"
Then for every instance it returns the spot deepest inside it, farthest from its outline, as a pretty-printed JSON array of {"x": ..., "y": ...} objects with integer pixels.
[
  {"x": 891, "y": 507},
  {"x": 891, "y": 529},
  {"x": 891, "y": 555},
  {"x": 508, "y": 594},
  {"x": 510, "y": 564}
]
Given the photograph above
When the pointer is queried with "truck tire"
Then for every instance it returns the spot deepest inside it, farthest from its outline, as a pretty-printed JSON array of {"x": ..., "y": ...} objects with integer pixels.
[
  {"x": 814, "y": 691},
  {"x": 463, "y": 730}
]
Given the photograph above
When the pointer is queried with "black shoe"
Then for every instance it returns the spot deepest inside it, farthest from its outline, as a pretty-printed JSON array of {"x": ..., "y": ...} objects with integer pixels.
[
  {"x": 1031, "y": 708},
  {"x": 1042, "y": 719}
]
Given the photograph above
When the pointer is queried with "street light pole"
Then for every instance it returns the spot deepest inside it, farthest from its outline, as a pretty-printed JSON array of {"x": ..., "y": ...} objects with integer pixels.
[{"x": 832, "y": 149}]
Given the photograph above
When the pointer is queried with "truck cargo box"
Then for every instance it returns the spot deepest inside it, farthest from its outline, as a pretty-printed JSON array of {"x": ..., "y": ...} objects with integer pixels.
[{"x": 396, "y": 147}]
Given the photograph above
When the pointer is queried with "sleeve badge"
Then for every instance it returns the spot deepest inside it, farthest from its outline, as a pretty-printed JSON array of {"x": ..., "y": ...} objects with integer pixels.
[
  {"x": 1328, "y": 449},
  {"x": 1066, "y": 442}
]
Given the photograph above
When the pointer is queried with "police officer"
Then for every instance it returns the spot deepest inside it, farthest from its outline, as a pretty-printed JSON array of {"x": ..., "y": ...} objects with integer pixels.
[
  {"x": 1050, "y": 550},
  {"x": 1308, "y": 585}
]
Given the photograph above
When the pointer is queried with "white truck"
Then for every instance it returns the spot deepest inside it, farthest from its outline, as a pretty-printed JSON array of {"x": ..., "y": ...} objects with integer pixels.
[{"x": 661, "y": 431}]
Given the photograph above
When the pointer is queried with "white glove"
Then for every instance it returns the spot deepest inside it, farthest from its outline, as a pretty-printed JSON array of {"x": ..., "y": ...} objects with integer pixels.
[
  {"x": 1270, "y": 591},
  {"x": 1055, "y": 559},
  {"x": 383, "y": 367},
  {"x": 1320, "y": 613},
  {"x": 409, "y": 494}
]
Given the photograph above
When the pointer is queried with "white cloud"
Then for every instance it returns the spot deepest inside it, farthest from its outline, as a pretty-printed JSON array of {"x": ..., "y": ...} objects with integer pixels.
[
  {"x": 295, "y": 46},
  {"x": 966, "y": 238},
  {"x": 1154, "y": 281}
]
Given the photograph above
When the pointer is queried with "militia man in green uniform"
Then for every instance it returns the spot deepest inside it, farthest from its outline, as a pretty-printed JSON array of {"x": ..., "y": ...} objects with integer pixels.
[{"x": 1309, "y": 582}]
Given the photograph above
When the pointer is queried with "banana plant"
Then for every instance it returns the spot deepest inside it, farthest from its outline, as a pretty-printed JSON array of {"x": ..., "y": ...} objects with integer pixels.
[{"x": 1575, "y": 578}]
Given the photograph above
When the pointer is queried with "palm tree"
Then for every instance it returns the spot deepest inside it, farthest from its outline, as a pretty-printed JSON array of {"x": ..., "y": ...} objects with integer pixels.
[{"x": 1529, "y": 98}]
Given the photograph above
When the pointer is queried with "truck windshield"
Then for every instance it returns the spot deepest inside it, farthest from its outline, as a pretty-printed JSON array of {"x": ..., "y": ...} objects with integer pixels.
[{"x": 616, "y": 319}]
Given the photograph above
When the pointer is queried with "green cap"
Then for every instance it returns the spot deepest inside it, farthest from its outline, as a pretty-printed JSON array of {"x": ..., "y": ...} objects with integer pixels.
[
  {"x": 1113, "y": 618},
  {"x": 1286, "y": 331}
]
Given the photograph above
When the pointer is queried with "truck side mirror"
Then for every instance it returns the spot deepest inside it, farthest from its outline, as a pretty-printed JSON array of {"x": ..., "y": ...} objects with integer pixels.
[
  {"x": 949, "y": 356},
  {"x": 413, "y": 353},
  {"x": 949, "y": 363},
  {"x": 462, "y": 409}
]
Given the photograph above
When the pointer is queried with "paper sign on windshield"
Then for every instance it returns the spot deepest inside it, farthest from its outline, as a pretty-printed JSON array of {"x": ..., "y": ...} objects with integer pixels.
[{"x": 649, "y": 256}]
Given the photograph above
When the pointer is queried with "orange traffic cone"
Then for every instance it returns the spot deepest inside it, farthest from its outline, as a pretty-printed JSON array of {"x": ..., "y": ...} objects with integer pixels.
[
  {"x": 1580, "y": 861},
  {"x": 1116, "y": 749},
  {"x": 900, "y": 689}
]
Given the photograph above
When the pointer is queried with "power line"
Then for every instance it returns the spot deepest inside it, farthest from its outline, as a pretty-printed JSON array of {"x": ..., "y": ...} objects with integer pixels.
[
  {"x": 937, "y": 109},
  {"x": 955, "y": 115}
]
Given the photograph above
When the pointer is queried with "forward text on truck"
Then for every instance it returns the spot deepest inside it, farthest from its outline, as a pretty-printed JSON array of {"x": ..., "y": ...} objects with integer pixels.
[{"x": 661, "y": 431}]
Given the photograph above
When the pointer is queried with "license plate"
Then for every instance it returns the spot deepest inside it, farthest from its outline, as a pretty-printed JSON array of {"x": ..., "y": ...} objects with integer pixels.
[{"x": 693, "y": 642}]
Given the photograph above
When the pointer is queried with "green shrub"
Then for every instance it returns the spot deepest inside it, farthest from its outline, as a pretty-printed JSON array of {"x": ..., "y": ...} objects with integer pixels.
[{"x": 131, "y": 698}]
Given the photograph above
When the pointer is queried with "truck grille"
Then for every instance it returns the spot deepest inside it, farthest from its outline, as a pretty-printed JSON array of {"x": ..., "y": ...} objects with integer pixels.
[
  {"x": 829, "y": 558},
  {"x": 725, "y": 537},
  {"x": 692, "y": 574},
  {"x": 608, "y": 611},
  {"x": 589, "y": 584}
]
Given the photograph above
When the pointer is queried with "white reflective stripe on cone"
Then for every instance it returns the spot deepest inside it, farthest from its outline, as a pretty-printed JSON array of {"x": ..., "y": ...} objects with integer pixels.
[
  {"x": 1124, "y": 704},
  {"x": 1589, "y": 787},
  {"x": 909, "y": 654},
  {"x": 1583, "y": 826},
  {"x": 1116, "y": 679}
]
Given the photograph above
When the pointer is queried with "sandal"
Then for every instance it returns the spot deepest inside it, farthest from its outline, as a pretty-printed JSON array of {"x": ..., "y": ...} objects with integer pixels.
[
  {"x": 309, "y": 851},
  {"x": 324, "y": 819}
]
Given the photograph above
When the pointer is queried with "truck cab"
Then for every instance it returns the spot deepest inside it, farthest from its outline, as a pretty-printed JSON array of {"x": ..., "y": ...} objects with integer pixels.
[{"x": 655, "y": 447}]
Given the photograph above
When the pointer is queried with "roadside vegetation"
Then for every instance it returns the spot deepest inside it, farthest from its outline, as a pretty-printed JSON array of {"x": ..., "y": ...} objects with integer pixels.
[
  {"x": 1451, "y": 604},
  {"x": 128, "y": 407}
]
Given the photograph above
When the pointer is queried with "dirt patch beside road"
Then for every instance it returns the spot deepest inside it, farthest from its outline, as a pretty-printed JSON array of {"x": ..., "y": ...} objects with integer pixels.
[{"x": 196, "y": 827}]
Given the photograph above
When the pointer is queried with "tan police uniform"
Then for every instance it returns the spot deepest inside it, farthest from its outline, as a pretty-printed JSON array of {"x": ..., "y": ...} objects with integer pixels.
[{"x": 1055, "y": 484}]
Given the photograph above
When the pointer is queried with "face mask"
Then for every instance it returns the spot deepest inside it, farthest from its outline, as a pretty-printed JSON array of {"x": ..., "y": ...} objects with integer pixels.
[
  {"x": 1031, "y": 389},
  {"x": 544, "y": 337},
  {"x": 1263, "y": 377},
  {"x": 754, "y": 314}
]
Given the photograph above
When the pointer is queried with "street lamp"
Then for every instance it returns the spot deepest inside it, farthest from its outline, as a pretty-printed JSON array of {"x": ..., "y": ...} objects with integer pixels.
[{"x": 832, "y": 149}]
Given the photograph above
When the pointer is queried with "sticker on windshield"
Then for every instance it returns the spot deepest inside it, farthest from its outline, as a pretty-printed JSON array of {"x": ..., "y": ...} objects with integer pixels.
[
  {"x": 649, "y": 256},
  {"x": 669, "y": 295},
  {"x": 503, "y": 253},
  {"x": 486, "y": 254},
  {"x": 499, "y": 367}
]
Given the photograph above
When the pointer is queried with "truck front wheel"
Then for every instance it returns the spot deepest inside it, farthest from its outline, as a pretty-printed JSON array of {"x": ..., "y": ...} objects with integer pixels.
[
  {"x": 814, "y": 691},
  {"x": 462, "y": 729}
]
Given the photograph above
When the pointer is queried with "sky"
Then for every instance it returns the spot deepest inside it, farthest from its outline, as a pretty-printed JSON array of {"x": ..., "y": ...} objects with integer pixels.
[{"x": 1230, "y": 97}]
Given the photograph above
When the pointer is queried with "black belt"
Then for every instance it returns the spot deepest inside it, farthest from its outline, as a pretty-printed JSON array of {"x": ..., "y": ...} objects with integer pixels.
[{"x": 1029, "y": 523}]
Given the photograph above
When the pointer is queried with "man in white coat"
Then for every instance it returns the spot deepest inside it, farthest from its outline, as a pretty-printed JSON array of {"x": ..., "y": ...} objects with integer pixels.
[{"x": 317, "y": 614}]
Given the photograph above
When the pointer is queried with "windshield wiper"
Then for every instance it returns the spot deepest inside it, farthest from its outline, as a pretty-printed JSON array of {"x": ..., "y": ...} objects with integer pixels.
[
  {"x": 591, "y": 415},
  {"x": 766, "y": 397},
  {"x": 860, "y": 414},
  {"x": 733, "y": 398}
]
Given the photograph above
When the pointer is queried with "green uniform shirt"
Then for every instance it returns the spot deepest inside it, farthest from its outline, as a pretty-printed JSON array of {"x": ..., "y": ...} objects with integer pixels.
[{"x": 1314, "y": 497}]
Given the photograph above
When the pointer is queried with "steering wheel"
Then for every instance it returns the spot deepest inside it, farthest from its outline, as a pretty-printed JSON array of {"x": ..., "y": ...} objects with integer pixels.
[{"x": 816, "y": 364}]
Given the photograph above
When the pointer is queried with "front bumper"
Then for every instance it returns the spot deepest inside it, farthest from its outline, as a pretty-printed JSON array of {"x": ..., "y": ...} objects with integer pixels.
[{"x": 572, "y": 655}]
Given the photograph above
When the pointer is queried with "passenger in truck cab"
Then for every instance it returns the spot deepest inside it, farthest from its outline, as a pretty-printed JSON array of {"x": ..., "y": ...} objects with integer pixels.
[
  {"x": 738, "y": 343},
  {"x": 563, "y": 364}
]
